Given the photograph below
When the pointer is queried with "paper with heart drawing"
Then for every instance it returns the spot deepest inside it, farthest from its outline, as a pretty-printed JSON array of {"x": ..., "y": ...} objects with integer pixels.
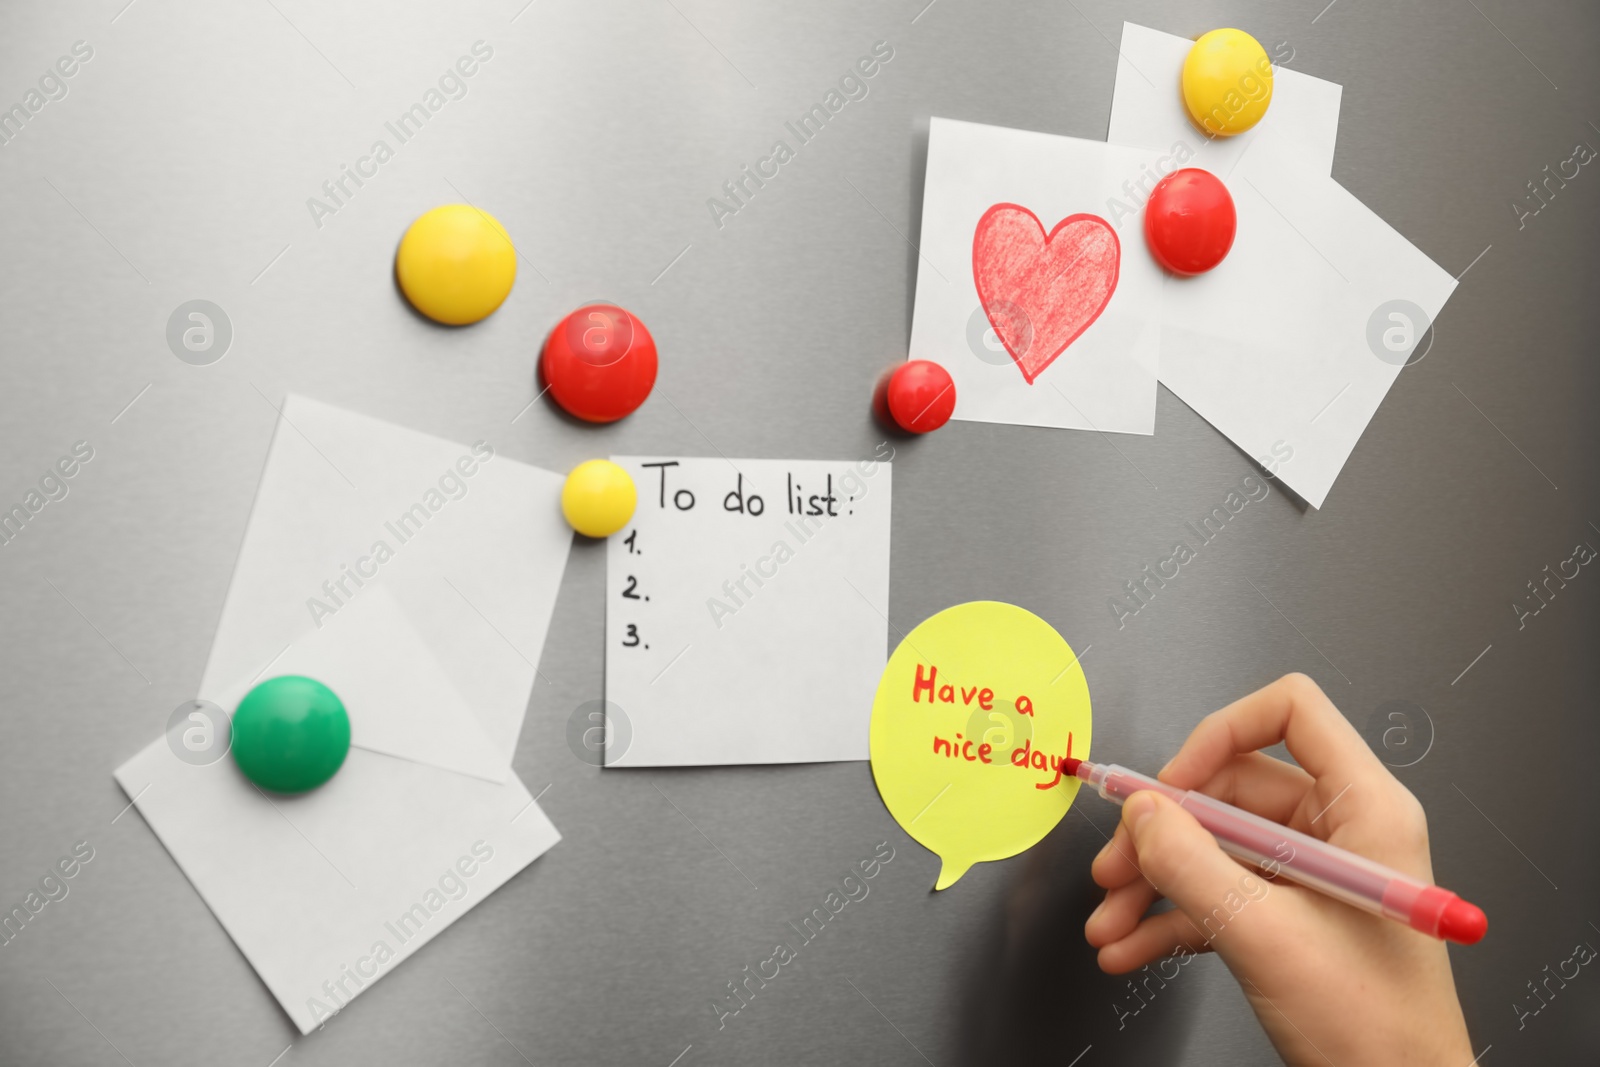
[{"x": 1034, "y": 289}]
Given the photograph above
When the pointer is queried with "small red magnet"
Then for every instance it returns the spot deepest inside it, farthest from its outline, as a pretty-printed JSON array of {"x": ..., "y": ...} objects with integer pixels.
[
  {"x": 920, "y": 396},
  {"x": 599, "y": 363},
  {"x": 1189, "y": 222}
]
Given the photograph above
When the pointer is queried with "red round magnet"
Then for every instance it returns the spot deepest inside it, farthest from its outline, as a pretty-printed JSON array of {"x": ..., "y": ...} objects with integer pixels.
[
  {"x": 599, "y": 363},
  {"x": 920, "y": 395},
  {"x": 1190, "y": 221}
]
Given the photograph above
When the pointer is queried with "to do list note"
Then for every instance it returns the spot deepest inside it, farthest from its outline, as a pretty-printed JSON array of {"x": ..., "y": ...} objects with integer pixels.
[{"x": 747, "y": 611}]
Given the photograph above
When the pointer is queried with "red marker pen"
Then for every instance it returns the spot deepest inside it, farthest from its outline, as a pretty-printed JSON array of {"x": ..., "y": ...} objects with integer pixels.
[{"x": 1303, "y": 859}]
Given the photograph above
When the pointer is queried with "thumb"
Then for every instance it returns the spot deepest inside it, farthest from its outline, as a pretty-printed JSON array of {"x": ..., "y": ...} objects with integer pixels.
[{"x": 1180, "y": 857}]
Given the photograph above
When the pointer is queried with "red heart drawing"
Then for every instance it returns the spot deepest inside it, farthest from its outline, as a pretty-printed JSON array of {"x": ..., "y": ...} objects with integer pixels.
[{"x": 1041, "y": 291}]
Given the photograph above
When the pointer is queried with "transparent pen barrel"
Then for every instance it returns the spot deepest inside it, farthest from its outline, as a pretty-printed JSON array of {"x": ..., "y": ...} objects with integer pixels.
[{"x": 1304, "y": 859}]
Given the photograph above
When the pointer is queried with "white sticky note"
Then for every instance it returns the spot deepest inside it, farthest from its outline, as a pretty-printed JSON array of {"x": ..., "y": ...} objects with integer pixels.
[
  {"x": 1020, "y": 313},
  {"x": 398, "y": 695},
  {"x": 1289, "y": 346},
  {"x": 416, "y": 578},
  {"x": 469, "y": 547},
  {"x": 1147, "y": 110},
  {"x": 327, "y": 892},
  {"x": 747, "y": 611}
]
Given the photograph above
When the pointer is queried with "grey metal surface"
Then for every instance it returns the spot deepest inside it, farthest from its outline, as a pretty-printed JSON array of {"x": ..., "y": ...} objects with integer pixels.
[{"x": 178, "y": 166}]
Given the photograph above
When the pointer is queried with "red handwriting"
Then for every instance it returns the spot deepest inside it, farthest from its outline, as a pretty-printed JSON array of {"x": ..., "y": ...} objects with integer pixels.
[
  {"x": 946, "y": 694},
  {"x": 962, "y": 748},
  {"x": 1036, "y": 761},
  {"x": 1026, "y": 757}
]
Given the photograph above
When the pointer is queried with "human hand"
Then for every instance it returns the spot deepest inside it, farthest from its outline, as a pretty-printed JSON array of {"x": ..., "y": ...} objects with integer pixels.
[{"x": 1328, "y": 982}]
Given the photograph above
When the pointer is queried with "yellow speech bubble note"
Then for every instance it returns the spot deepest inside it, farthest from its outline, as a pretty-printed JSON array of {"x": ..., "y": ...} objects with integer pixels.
[{"x": 974, "y": 714}]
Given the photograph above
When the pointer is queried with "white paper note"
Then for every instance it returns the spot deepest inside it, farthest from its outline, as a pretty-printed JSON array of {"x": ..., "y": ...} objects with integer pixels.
[
  {"x": 747, "y": 611},
  {"x": 1147, "y": 111},
  {"x": 1021, "y": 234},
  {"x": 470, "y": 546},
  {"x": 398, "y": 695},
  {"x": 1291, "y": 343},
  {"x": 416, "y": 578},
  {"x": 1289, "y": 346},
  {"x": 327, "y": 892}
]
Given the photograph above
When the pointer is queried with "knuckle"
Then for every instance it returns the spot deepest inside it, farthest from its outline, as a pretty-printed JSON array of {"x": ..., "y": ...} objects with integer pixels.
[
  {"x": 1397, "y": 819},
  {"x": 1300, "y": 684},
  {"x": 1410, "y": 819}
]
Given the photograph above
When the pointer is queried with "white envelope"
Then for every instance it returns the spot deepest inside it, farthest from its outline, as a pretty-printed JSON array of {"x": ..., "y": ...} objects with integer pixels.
[{"x": 416, "y": 578}]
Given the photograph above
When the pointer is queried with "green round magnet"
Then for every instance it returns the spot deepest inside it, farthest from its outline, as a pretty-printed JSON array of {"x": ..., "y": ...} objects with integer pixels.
[{"x": 290, "y": 734}]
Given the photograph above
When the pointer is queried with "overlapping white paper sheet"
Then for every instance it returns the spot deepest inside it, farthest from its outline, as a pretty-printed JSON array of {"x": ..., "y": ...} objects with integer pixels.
[
  {"x": 1275, "y": 347},
  {"x": 1105, "y": 379},
  {"x": 468, "y": 545},
  {"x": 1147, "y": 111},
  {"x": 347, "y": 880},
  {"x": 416, "y": 578},
  {"x": 1272, "y": 347},
  {"x": 747, "y": 611}
]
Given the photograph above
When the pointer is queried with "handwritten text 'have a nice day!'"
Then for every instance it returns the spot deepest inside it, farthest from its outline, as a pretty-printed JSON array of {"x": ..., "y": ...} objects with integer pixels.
[{"x": 1024, "y": 756}]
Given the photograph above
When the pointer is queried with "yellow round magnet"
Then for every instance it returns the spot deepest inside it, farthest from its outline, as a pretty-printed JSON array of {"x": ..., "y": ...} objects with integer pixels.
[
  {"x": 974, "y": 714},
  {"x": 599, "y": 498},
  {"x": 456, "y": 264},
  {"x": 1227, "y": 82}
]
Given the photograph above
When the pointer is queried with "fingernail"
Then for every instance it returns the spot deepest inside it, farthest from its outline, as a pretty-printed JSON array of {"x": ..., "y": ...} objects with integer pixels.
[
  {"x": 1095, "y": 914},
  {"x": 1166, "y": 767},
  {"x": 1105, "y": 850},
  {"x": 1139, "y": 807}
]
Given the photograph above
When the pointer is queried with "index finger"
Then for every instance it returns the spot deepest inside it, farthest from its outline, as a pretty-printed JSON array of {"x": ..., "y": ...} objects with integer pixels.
[{"x": 1293, "y": 710}]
